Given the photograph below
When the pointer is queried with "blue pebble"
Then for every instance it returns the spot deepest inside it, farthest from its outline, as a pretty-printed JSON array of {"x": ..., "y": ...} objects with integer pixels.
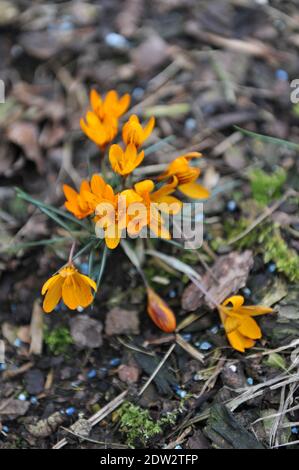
[
  {"x": 271, "y": 267},
  {"x": 70, "y": 411},
  {"x": 187, "y": 336},
  {"x": 231, "y": 206},
  {"x": 115, "y": 362},
  {"x": 138, "y": 93},
  {"x": 172, "y": 294},
  {"x": 92, "y": 374},
  {"x": 178, "y": 447},
  {"x": 214, "y": 330},
  {"x": 190, "y": 124},
  {"x": 22, "y": 397},
  {"x": 294, "y": 430},
  {"x": 250, "y": 381},
  {"x": 33, "y": 400},
  {"x": 5, "y": 429},
  {"x": 17, "y": 342},
  {"x": 181, "y": 393},
  {"x": 3, "y": 366},
  {"x": 84, "y": 268},
  {"x": 281, "y": 74},
  {"x": 246, "y": 291},
  {"x": 205, "y": 346},
  {"x": 117, "y": 41}
]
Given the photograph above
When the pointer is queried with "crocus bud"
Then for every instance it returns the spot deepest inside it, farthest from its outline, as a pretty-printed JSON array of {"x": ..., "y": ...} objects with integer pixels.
[{"x": 160, "y": 313}]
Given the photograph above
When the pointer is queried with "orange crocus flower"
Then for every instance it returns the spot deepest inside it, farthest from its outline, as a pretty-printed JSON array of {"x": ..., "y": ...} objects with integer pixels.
[
  {"x": 134, "y": 133},
  {"x": 74, "y": 288},
  {"x": 101, "y": 123},
  {"x": 160, "y": 312},
  {"x": 186, "y": 176},
  {"x": 241, "y": 329},
  {"x": 124, "y": 162},
  {"x": 75, "y": 202},
  {"x": 150, "y": 215},
  {"x": 110, "y": 215}
]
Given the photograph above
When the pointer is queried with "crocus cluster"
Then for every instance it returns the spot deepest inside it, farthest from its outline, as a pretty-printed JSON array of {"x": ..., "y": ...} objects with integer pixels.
[
  {"x": 114, "y": 211},
  {"x": 132, "y": 205}
]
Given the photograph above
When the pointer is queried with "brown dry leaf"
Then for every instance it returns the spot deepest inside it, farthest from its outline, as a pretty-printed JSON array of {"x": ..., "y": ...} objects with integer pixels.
[
  {"x": 231, "y": 270},
  {"x": 9, "y": 332},
  {"x": 36, "y": 329},
  {"x": 13, "y": 408},
  {"x": 25, "y": 135},
  {"x": 51, "y": 135},
  {"x": 46, "y": 427}
]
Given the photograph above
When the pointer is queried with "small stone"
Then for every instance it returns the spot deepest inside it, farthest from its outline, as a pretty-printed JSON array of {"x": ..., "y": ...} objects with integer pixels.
[
  {"x": 33, "y": 400},
  {"x": 250, "y": 381},
  {"x": 34, "y": 381},
  {"x": 128, "y": 374},
  {"x": 5, "y": 429},
  {"x": 178, "y": 447},
  {"x": 86, "y": 332},
  {"x": 152, "y": 53},
  {"x": 294, "y": 430},
  {"x": 122, "y": 322},
  {"x": 233, "y": 368}
]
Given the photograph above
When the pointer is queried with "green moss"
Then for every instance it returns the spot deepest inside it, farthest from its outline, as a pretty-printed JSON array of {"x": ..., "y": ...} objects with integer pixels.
[
  {"x": 266, "y": 238},
  {"x": 58, "y": 340},
  {"x": 137, "y": 424},
  {"x": 139, "y": 427},
  {"x": 277, "y": 250},
  {"x": 266, "y": 187}
]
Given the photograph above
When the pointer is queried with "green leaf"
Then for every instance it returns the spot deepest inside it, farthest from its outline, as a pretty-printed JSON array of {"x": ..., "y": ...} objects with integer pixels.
[{"x": 268, "y": 138}]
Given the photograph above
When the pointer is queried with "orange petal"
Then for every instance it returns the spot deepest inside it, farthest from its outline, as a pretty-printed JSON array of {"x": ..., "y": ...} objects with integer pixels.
[
  {"x": 148, "y": 128},
  {"x": 250, "y": 328},
  {"x": 237, "y": 340},
  {"x": 255, "y": 310},
  {"x": 194, "y": 190},
  {"x": 236, "y": 300},
  {"x": 231, "y": 324},
  {"x": 54, "y": 293}
]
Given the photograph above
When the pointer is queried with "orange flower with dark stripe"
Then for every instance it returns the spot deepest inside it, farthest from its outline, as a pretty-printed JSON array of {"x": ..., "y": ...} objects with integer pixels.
[{"x": 160, "y": 312}]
